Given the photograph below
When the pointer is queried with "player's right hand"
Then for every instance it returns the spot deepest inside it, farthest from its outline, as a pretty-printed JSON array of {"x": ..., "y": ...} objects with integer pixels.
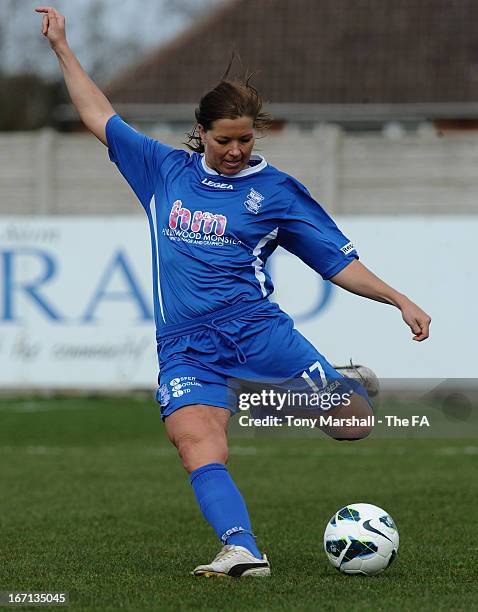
[{"x": 53, "y": 25}]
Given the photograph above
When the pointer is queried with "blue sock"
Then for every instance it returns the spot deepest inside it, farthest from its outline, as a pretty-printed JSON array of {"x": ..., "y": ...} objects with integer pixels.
[{"x": 223, "y": 507}]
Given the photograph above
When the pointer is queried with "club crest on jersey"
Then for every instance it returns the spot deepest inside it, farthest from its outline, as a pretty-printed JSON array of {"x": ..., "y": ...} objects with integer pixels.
[
  {"x": 253, "y": 201},
  {"x": 207, "y": 222},
  {"x": 209, "y": 183}
]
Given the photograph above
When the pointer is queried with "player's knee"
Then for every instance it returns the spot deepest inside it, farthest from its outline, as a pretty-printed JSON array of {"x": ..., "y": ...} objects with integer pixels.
[
  {"x": 357, "y": 419},
  {"x": 195, "y": 457},
  {"x": 196, "y": 451},
  {"x": 185, "y": 446}
]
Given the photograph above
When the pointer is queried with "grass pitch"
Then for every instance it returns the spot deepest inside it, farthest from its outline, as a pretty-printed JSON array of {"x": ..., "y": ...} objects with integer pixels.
[{"x": 94, "y": 502}]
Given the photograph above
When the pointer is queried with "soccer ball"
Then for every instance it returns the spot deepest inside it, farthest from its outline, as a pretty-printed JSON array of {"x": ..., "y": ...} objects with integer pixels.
[{"x": 361, "y": 539}]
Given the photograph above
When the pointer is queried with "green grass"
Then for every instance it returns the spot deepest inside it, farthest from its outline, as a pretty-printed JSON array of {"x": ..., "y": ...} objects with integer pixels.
[{"x": 93, "y": 501}]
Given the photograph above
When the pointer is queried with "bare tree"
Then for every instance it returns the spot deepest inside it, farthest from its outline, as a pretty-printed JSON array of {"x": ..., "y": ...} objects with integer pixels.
[{"x": 106, "y": 35}]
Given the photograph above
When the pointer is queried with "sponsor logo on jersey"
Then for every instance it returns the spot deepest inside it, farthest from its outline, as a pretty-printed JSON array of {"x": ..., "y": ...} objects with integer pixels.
[
  {"x": 197, "y": 227},
  {"x": 209, "y": 183},
  {"x": 253, "y": 201},
  {"x": 197, "y": 238},
  {"x": 347, "y": 248},
  {"x": 204, "y": 222}
]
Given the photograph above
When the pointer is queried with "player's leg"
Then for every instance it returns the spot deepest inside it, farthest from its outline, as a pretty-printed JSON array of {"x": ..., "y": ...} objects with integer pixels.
[
  {"x": 364, "y": 375},
  {"x": 199, "y": 432},
  {"x": 343, "y": 405},
  {"x": 278, "y": 351},
  {"x": 354, "y": 416}
]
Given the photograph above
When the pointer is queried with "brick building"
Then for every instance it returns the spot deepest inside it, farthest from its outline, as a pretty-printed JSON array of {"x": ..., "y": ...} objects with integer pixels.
[{"x": 359, "y": 63}]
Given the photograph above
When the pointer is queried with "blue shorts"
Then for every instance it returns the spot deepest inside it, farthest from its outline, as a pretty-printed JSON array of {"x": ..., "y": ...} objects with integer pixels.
[{"x": 254, "y": 341}]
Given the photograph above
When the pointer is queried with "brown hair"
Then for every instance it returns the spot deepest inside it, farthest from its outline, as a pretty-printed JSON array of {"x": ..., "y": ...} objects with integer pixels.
[{"x": 230, "y": 99}]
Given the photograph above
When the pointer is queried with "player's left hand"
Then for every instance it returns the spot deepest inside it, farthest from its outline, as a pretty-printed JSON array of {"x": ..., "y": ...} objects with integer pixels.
[
  {"x": 53, "y": 25},
  {"x": 417, "y": 320}
]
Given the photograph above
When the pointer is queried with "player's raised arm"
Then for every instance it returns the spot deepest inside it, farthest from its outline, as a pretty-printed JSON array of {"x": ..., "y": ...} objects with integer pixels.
[
  {"x": 90, "y": 102},
  {"x": 357, "y": 279}
]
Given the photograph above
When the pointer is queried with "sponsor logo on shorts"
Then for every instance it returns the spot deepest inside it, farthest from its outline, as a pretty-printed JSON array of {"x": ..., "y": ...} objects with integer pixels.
[
  {"x": 253, "y": 201},
  {"x": 182, "y": 385},
  {"x": 347, "y": 248},
  {"x": 163, "y": 395}
]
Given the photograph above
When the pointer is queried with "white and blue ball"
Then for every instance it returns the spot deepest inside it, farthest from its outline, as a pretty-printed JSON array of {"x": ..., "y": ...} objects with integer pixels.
[{"x": 361, "y": 539}]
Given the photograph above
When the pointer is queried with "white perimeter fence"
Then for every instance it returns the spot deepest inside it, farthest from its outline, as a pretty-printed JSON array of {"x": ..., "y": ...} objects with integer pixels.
[{"x": 48, "y": 173}]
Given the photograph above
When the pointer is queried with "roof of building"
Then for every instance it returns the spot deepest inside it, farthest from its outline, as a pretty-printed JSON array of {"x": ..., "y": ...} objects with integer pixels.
[{"x": 320, "y": 52}]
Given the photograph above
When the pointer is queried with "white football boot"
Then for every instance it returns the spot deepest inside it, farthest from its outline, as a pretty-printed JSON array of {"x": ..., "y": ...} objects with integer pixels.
[
  {"x": 235, "y": 561},
  {"x": 365, "y": 376}
]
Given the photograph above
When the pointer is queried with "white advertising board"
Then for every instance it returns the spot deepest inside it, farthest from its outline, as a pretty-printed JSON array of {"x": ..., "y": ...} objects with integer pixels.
[{"x": 76, "y": 312}]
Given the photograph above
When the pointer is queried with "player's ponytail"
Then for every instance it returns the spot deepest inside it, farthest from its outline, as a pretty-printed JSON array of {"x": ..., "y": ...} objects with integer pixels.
[{"x": 230, "y": 99}]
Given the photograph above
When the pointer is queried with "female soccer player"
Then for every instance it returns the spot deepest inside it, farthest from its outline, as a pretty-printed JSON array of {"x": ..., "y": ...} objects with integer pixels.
[{"x": 215, "y": 217}]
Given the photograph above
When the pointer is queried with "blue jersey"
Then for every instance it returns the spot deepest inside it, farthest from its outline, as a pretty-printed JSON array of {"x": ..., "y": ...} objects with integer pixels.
[{"x": 211, "y": 234}]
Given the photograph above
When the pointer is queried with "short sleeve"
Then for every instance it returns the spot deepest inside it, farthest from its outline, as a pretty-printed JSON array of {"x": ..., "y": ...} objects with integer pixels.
[
  {"x": 309, "y": 232},
  {"x": 138, "y": 157}
]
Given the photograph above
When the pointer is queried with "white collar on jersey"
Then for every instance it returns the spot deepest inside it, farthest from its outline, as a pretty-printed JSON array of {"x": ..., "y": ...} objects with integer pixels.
[{"x": 246, "y": 172}]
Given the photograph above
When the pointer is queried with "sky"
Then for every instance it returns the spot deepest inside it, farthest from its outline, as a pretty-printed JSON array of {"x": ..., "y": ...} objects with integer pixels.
[{"x": 144, "y": 23}]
